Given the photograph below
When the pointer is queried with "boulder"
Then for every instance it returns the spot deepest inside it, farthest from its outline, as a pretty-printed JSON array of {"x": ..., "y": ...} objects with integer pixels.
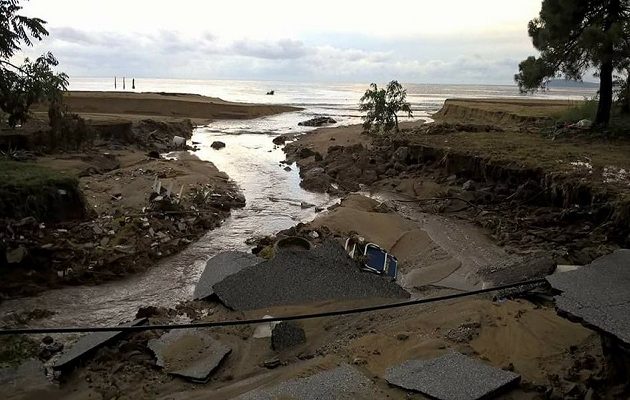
[
  {"x": 287, "y": 334},
  {"x": 280, "y": 140},
  {"x": 305, "y": 152},
  {"x": 217, "y": 145},
  {"x": 318, "y": 121},
  {"x": 401, "y": 154}
]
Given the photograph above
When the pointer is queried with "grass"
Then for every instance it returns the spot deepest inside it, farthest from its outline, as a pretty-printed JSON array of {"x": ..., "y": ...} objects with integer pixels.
[{"x": 27, "y": 189}]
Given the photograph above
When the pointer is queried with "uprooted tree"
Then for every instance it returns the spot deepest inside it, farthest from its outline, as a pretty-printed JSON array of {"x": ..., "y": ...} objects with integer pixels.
[
  {"x": 575, "y": 37},
  {"x": 34, "y": 81},
  {"x": 383, "y": 105}
]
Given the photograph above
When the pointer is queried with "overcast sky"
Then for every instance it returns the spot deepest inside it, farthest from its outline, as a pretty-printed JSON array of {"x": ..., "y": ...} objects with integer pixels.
[{"x": 435, "y": 41}]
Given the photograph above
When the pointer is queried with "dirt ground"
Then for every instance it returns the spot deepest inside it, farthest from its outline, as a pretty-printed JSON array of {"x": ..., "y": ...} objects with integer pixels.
[{"x": 443, "y": 221}]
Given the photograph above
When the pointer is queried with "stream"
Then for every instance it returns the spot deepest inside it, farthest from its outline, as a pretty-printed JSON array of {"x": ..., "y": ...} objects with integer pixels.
[{"x": 273, "y": 202}]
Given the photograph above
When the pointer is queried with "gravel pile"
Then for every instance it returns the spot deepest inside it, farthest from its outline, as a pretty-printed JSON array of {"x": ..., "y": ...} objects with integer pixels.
[{"x": 297, "y": 277}]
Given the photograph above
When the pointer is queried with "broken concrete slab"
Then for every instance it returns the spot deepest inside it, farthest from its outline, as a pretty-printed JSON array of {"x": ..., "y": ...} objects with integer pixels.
[
  {"x": 341, "y": 383},
  {"x": 219, "y": 267},
  {"x": 598, "y": 294},
  {"x": 191, "y": 355},
  {"x": 87, "y": 345},
  {"x": 452, "y": 376},
  {"x": 297, "y": 277}
]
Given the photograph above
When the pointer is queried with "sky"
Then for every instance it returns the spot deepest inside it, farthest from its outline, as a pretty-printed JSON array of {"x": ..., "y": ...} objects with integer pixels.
[{"x": 435, "y": 41}]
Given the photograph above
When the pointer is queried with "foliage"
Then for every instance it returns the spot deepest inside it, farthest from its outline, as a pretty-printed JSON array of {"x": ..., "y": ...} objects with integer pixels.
[
  {"x": 574, "y": 37},
  {"x": 583, "y": 110},
  {"x": 34, "y": 81},
  {"x": 622, "y": 84},
  {"x": 382, "y": 106}
]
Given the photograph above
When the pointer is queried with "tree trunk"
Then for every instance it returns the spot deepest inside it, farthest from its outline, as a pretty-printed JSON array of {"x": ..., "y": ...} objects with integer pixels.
[
  {"x": 396, "y": 120},
  {"x": 606, "y": 74},
  {"x": 605, "y": 94}
]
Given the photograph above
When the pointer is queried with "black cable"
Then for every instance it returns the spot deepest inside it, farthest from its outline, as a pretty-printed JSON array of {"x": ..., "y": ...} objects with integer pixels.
[{"x": 139, "y": 328}]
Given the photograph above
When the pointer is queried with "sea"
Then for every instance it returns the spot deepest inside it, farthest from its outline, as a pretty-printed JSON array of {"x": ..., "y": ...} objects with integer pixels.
[{"x": 337, "y": 100}]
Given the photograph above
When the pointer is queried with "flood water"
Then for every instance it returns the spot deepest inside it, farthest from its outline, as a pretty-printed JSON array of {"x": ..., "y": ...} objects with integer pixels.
[{"x": 273, "y": 202}]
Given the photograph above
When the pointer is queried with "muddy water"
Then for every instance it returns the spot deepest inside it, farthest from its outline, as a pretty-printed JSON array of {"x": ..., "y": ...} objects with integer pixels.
[{"x": 273, "y": 202}]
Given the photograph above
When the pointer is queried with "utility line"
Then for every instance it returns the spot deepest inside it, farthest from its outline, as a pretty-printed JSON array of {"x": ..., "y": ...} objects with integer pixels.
[{"x": 140, "y": 328}]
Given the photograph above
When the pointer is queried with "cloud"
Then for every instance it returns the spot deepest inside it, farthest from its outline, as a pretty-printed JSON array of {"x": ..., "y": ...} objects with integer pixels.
[
  {"x": 276, "y": 50},
  {"x": 171, "y": 54}
]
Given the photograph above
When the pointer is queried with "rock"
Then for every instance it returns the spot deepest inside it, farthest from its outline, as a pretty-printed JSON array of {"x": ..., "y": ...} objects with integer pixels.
[
  {"x": 318, "y": 121},
  {"x": 401, "y": 154},
  {"x": 468, "y": 185},
  {"x": 153, "y": 154},
  {"x": 288, "y": 169},
  {"x": 305, "y": 152},
  {"x": 287, "y": 334},
  {"x": 272, "y": 363},
  {"x": 217, "y": 145},
  {"x": 305, "y": 205},
  {"x": 319, "y": 209},
  {"x": 318, "y": 157},
  {"x": 359, "y": 361},
  {"x": 16, "y": 255},
  {"x": 280, "y": 140},
  {"x": 179, "y": 141},
  {"x": 402, "y": 336},
  {"x": 313, "y": 234}
]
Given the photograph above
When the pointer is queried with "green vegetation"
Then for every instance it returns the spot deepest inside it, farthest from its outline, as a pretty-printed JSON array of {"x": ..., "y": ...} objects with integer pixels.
[
  {"x": 33, "y": 81},
  {"x": 16, "y": 349},
  {"x": 31, "y": 190},
  {"x": 381, "y": 106},
  {"x": 574, "y": 37}
]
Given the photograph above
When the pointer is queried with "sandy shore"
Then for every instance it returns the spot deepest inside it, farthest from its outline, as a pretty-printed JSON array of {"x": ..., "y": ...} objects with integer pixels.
[{"x": 201, "y": 109}]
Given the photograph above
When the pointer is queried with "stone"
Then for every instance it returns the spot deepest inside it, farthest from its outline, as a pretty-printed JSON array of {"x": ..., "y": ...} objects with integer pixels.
[
  {"x": 305, "y": 205},
  {"x": 452, "y": 376},
  {"x": 598, "y": 294},
  {"x": 15, "y": 256},
  {"x": 305, "y": 152},
  {"x": 287, "y": 334},
  {"x": 279, "y": 140},
  {"x": 218, "y": 268},
  {"x": 401, "y": 154},
  {"x": 87, "y": 345},
  {"x": 318, "y": 121},
  {"x": 468, "y": 185},
  {"x": 153, "y": 154},
  {"x": 341, "y": 383},
  {"x": 402, "y": 336},
  {"x": 217, "y": 145},
  {"x": 272, "y": 363},
  {"x": 287, "y": 168},
  {"x": 189, "y": 354}
]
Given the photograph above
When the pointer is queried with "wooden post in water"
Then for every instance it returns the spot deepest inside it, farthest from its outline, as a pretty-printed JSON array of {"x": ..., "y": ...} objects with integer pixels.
[
  {"x": 123, "y": 83},
  {"x": 133, "y": 83},
  {"x": 114, "y": 82}
]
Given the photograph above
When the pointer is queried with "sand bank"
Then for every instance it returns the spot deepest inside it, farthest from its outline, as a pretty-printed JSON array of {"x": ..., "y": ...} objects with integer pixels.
[{"x": 165, "y": 105}]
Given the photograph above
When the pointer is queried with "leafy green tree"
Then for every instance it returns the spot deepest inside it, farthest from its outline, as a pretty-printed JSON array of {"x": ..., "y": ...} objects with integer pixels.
[
  {"x": 34, "y": 81},
  {"x": 575, "y": 36},
  {"x": 383, "y": 105}
]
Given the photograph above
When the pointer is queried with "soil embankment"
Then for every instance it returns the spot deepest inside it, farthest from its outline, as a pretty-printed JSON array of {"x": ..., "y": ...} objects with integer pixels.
[
  {"x": 570, "y": 195},
  {"x": 116, "y": 205}
]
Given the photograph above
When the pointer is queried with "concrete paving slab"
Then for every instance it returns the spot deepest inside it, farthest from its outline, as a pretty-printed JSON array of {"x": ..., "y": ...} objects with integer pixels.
[
  {"x": 219, "y": 267},
  {"x": 192, "y": 355},
  {"x": 297, "y": 277},
  {"x": 341, "y": 383},
  {"x": 88, "y": 344},
  {"x": 598, "y": 294},
  {"x": 452, "y": 376}
]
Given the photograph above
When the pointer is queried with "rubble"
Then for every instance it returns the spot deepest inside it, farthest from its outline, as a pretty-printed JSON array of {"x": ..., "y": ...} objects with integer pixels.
[
  {"x": 192, "y": 355},
  {"x": 287, "y": 334}
]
